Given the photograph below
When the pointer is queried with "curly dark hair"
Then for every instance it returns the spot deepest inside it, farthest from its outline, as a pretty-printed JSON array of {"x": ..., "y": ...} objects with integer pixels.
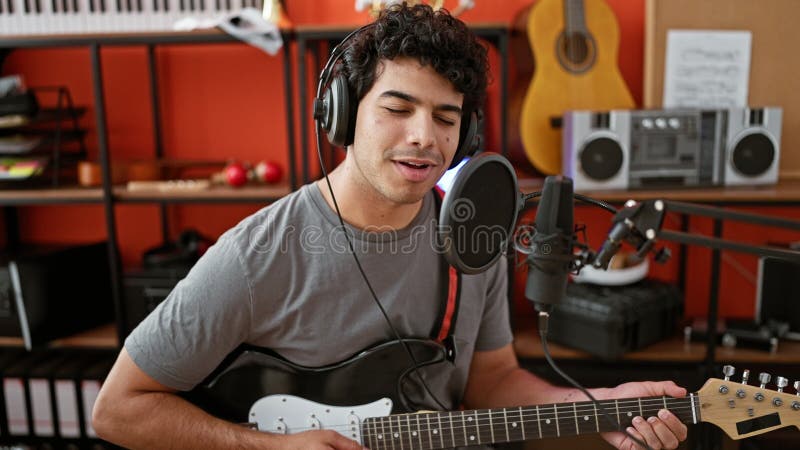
[{"x": 434, "y": 38}]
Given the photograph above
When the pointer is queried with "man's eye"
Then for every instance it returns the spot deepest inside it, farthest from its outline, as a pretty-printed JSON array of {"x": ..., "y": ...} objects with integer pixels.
[
  {"x": 446, "y": 120},
  {"x": 395, "y": 111}
]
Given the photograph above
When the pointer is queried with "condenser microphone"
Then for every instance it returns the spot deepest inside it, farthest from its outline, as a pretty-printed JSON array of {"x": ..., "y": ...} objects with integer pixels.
[{"x": 550, "y": 260}]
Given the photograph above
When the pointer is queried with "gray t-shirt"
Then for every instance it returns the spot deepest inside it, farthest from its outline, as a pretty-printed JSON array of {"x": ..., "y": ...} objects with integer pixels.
[{"x": 284, "y": 279}]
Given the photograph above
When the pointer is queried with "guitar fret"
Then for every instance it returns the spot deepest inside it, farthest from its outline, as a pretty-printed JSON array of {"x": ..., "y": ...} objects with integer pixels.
[
  {"x": 399, "y": 434},
  {"x": 513, "y": 425},
  {"x": 430, "y": 436},
  {"x": 641, "y": 413},
  {"x": 505, "y": 422},
  {"x": 664, "y": 398},
  {"x": 546, "y": 417},
  {"x": 555, "y": 412},
  {"x": 387, "y": 437},
  {"x": 477, "y": 427},
  {"x": 464, "y": 428},
  {"x": 629, "y": 411},
  {"x": 491, "y": 426},
  {"x": 441, "y": 434},
  {"x": 575, "y": 411},
  {"x": 452, "y": 431},
  {"x": 538, "y": 423},
  {"x": 409, "y": 432},
  {"x": 419, "y": 430},
  {"x": 372, "y": 435},
  {"x": 596, "y": 420},
  {"x": 616, "y": 404}
]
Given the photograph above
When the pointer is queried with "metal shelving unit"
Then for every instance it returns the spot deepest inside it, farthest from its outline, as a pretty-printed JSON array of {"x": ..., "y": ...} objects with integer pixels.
[{"x": 108, "y": 195}]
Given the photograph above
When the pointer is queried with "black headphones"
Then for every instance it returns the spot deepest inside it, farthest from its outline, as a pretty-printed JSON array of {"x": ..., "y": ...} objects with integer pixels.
[{"x": 335, "y": 109}]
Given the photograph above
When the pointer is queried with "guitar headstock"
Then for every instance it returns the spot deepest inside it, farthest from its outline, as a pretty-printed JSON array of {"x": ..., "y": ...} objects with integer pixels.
[{"x": 742, "y": 410}]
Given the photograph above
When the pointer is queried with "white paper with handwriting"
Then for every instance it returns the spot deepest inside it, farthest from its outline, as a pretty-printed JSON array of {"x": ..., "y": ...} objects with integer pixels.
[{"x": 707, "y": 69}]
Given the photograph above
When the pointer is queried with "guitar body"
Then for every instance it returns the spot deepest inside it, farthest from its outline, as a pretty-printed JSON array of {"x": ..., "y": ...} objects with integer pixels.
[
  {"x": 576, "y": 68},
  {"x": 251, "y": 373}
]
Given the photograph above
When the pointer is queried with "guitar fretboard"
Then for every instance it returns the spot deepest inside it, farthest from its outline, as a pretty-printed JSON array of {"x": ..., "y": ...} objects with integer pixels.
[{"x": 440, "y": 430}]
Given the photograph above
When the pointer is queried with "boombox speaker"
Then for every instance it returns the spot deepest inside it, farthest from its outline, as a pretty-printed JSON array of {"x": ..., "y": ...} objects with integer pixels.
[
  {"x": 752, "y": 146},
  {"x": 596, "y": 148}
]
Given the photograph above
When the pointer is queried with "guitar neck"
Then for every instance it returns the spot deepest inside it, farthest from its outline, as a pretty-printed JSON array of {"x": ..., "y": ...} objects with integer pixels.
[
  {"x": 574, "y": 17},
  {"x": 440, "y": 430}
]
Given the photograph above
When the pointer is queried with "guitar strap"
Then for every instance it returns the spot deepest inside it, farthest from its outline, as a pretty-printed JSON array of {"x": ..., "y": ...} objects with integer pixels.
[{"x": 445, "y": 324}]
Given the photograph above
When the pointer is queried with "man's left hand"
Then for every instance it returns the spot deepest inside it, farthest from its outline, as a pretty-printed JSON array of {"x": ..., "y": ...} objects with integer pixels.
[{"x": 664, "y": 431}]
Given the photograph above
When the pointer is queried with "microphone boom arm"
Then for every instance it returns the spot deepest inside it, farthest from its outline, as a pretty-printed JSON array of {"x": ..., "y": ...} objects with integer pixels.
[{"x": 640, "y": 224}]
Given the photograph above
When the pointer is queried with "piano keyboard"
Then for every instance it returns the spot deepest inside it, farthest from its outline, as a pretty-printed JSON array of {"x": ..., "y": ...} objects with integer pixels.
[{"x": 53, "y": 17}]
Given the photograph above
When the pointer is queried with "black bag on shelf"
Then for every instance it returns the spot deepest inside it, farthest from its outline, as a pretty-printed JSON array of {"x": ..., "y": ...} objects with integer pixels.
[
  {"x": 607, "y": 321},
  {"x": 19, "y": 104},
  {"x": 53, "y": 291}
]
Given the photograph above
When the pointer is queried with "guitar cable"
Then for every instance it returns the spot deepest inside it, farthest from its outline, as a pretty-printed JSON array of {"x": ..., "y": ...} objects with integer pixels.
[
  {"x": 416, "y": 364},
  {"x": 323, "y": 79},
  {"x": 544, "y": 319}
]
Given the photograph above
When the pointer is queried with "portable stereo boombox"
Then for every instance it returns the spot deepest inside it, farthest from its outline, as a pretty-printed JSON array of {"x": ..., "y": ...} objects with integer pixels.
[{"x": 631, "y": 149}]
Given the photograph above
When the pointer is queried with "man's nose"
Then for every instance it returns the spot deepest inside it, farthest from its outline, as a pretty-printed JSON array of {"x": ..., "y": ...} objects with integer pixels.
[{"x": 421, "y": 131}]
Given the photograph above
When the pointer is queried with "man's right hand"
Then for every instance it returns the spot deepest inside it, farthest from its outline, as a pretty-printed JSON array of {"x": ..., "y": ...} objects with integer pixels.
[
  {"x": 155, "y": 417},
  {"x": 319, "y": 440}
]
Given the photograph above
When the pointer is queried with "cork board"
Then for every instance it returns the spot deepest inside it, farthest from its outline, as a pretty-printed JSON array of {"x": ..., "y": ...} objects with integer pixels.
[{"x": 774, "y": 67}]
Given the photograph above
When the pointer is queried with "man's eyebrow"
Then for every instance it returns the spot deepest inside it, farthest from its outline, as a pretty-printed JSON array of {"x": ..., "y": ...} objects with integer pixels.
[{"x": 411, "y": 99}]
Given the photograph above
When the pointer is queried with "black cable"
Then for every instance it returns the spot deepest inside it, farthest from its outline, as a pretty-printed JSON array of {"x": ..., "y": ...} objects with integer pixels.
[
  {"x": 599, "y": 203},
  {"x": 544, "y": 319},
  {"x": 364, "y": 275}
]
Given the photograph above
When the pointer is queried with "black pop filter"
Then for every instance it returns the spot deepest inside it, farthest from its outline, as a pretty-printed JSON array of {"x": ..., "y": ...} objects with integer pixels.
[{"x": 479, "y": 212}]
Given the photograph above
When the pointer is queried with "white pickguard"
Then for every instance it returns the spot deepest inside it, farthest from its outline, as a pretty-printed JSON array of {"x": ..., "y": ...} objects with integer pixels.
[{"x": 287, "y": 414}]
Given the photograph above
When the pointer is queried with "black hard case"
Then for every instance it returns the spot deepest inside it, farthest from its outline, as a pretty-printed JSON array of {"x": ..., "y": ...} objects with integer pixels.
[{"x": 608, "y": 321}]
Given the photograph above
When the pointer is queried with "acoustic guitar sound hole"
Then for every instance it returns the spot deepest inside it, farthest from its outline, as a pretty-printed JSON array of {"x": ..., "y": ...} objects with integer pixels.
[{"x": 576, "y": 51}]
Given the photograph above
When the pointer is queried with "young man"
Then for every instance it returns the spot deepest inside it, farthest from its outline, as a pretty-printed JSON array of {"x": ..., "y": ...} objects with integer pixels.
[{"x": 284, "y": 278}]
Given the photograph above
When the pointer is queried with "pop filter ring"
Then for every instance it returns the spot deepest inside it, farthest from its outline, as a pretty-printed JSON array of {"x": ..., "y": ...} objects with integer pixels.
[{"x": 446, "y": 228}]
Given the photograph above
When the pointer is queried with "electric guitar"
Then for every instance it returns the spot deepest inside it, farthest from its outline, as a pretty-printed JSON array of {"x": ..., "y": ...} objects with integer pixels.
[
  {"x": 575, "y": 45},
  {"x": 258, "y": 388}
]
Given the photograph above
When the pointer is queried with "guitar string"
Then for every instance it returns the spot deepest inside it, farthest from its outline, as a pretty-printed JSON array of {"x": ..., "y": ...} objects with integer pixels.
[
  {"x": 406, "y": 429},
  {"x": 546, "y": 412},
  {"x": 525, "y": 418}
]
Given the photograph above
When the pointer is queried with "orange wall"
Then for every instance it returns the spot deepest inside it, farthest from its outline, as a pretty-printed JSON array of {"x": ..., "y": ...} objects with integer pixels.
[{"x": 227, "y": 102}]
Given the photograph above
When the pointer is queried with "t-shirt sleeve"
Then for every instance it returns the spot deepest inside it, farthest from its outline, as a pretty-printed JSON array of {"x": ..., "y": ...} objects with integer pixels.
[
  {"x": 495, "y": 328},
  {"x": 205, "y": 317}
]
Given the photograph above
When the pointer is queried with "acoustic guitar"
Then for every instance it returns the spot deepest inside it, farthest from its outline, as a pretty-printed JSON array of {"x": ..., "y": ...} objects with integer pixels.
[
  {"x": 575, "y": 46},
  {"x": 257, "y": 387}
]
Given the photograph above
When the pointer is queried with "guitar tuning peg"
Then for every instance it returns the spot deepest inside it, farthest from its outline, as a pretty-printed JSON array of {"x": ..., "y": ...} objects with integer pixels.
[
  {"x": 745, "y": 376},
  {"x": 797, "y": 388},
  {"x": 781, "y": 382},
  {"x": 728, "y": 371},
  {"x": 764, "y": 378}
]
